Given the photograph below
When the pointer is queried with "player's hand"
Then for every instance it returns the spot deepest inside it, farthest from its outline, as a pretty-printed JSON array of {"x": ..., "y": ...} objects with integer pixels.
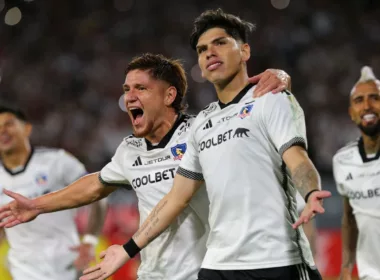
[
  {"x": 86, "y": 256},
  {"x": 113, "y": 258},
  {"x": 312, "y": 207},
  {"x": 271, "y": 80},
  {"x": 20, "y": 210}
]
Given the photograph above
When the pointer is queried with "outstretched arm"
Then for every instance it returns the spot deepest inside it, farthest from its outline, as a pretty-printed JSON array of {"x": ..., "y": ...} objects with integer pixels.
[
  {"x": 307, "y": 181},
  {"x": 349, "y": 240},
  {"x": 159, "y": 219},
  {"x": 83, "y": 191}
]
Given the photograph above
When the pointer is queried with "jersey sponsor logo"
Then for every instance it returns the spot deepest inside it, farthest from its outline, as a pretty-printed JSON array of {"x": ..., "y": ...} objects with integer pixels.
[
  {"x": 224, "y": 119},
  {"x": 41, "y": 179},
  {"x": 363, "y": 194},
  {"x": 137, "y": 161},
  {"x": 178, "y": 151},
  {"x": 134, "y": 142},
  {"x": 167, "y": 174},
  {"x": 240, "y": 132},
  {"x": 245, "y": 111},
  {"x": 209, "y": 109},
  {"x": 208, "y": 125},
  {"x": 349, "y": 177}
]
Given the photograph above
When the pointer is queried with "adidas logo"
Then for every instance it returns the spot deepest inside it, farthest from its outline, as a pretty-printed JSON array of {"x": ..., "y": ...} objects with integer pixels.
[
  {"x": 349, "y": 177},
  {"x": 208, "y": 125},
  {"x": 137, "y": 162}
]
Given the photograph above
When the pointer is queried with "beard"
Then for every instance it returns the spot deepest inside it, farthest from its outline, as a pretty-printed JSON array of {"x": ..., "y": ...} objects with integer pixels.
[{"x": 370, "y": 130}]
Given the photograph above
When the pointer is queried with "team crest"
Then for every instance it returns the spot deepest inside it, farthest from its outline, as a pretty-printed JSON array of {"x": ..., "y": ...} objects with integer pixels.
[
  {"x": 245, "y": 111},
  {"x": 178, "y": 151},
  {"x": 41, "y": 179}
]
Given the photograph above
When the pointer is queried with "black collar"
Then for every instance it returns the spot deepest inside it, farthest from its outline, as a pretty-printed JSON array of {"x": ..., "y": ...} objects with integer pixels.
[
  {"x": 363, "y": 153},
  {"x": 164, "y": 141},
  {"x": 23, "y": 169},
  {"x": 237, "y": 97}
]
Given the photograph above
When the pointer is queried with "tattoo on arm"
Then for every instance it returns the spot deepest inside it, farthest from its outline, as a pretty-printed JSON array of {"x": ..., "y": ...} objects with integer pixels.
[
  {"x": 306, "y": 178},
  {"x": 148, "y": 229}
]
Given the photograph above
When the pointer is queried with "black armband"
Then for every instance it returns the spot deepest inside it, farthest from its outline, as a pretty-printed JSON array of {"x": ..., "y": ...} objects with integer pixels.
[
  {"x": 131, "y": 248},
  {"x": 309, "y": 193}
]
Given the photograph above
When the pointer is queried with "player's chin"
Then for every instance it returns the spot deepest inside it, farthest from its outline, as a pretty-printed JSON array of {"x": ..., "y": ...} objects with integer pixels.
[{"x": 141, "y": 131}]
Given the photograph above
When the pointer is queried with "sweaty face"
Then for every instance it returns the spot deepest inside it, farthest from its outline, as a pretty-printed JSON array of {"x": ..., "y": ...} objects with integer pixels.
[
  {"x": 220, "y": 56},
  {"x": 13, "y": 132},
  {"x": 144, "y": 98},
  {"x": 365, "y": 107}
]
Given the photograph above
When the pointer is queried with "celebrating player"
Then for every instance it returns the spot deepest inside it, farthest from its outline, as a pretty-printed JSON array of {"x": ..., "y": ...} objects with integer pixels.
[
  {"x": 243, "y": 148},
  {"x": 48, "y": 247},
  {"x": 357, "y": 176},
  {"x": 147, "y": 161}
]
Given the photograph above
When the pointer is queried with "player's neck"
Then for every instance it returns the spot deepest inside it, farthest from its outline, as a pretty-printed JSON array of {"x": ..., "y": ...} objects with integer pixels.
[
  {"x": 17, "y": 157},
  {"x": 228, "y": 90},
  {"x": 371, "y": 144},
  {"x": 162, "y": 128}
]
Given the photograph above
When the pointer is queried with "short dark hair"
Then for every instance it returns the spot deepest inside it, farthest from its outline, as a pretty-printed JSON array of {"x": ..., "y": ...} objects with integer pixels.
[
  {"x": 236, "y": 27},
  {"x": 15, "y": 111},
  {"x": 164, "y": 69}
]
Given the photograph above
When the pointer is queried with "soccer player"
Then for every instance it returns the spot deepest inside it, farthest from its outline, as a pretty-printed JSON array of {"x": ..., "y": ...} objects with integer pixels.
[
  {"x": 357, "y": 174},
  {"x": 251, "y": 153},
  {"x": 146, "y": 162},
  {"x": 49, "y": 247}
]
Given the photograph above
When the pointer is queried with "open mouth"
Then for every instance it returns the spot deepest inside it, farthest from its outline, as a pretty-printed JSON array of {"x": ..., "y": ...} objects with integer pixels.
[{"x": 137, "y": 114}]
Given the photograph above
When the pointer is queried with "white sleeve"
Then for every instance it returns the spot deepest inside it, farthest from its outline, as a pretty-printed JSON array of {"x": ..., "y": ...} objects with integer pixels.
[
  {"x": 190, "y": 166},
  {"x": 112, "y": 174},
  {"x": 71, "y": 168},
  {"x": 284, "y": 121},
  {"x": 339, "y": 181},
  {"x": 300, "y": 202}
]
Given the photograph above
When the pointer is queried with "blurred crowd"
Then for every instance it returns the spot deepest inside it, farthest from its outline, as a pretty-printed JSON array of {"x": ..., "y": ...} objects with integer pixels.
[{"x": 64, "y": 62}]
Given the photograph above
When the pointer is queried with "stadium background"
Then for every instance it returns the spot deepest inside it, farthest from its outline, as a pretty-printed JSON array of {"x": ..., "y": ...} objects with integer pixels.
[{"x": 63, "y": 62}]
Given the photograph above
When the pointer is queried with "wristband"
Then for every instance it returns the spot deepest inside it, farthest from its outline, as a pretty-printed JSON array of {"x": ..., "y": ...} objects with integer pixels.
[
  {"x": 90, "y": 239},
  {"x": 309, "y": 193},
  {"x": 131, "y": 248}
]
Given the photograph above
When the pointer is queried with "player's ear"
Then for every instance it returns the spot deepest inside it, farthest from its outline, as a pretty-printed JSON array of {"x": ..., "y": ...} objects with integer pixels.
[
  {"x": 245, "y": 50},
  {"x": 170, "y": 95}
]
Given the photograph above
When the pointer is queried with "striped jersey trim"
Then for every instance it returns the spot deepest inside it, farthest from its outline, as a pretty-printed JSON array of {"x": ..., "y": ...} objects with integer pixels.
[
  {"x": 190, "y": 174},
  {"x": 114, "y": 184},
  {"x": 296, "y": 141}
]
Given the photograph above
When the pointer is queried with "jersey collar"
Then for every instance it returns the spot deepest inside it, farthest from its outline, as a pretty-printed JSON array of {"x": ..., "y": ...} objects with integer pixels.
[
  {"x": 237, "y": 97},
  {"x": 363, "y": 153},
  {"x": 23, "y": 169},
  {"x": 164, "y": 141}
]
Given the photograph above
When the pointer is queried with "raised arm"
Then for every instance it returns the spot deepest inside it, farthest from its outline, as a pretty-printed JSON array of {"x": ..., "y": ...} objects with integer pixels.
[
  {"x": 349, "y": 240},
  {"x": 83, "y": 191},
  {"x": 159, "y": 219},
  {"x": 307, "y": 181}
]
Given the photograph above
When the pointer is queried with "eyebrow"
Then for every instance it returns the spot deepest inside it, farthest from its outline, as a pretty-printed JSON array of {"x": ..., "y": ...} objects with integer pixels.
[{"x": 213, "y": 41}]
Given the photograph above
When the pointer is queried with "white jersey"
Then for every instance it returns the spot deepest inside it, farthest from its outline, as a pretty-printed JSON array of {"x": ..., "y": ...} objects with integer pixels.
[
  {"x": 237, "y": 148},
  {"x": 178, "y": 252},
  {"x": 358, "y": 178},
  {"x": 40, "y": 249}
]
